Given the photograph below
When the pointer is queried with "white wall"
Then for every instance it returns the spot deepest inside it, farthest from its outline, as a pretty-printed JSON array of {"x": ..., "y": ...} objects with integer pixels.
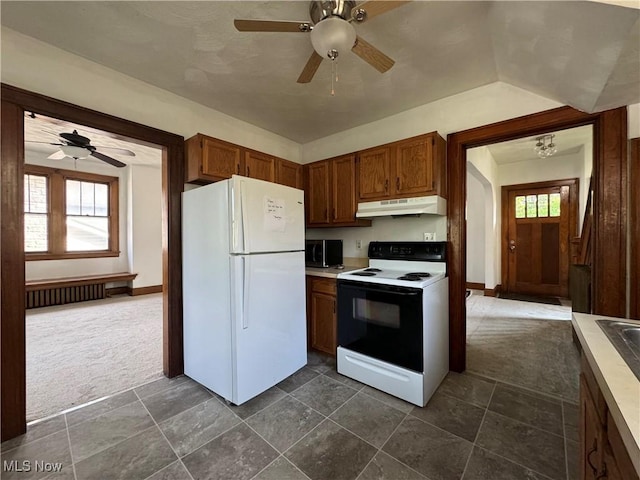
[
  {"x": 43, "y": 269},
  {"x": 36, "y": 66},
  {"x": 480, "y": 106},
  {"x": 383, "y": 229},
  {"x": 145, "y": 225},
  {"x": 475, "y": 229}
]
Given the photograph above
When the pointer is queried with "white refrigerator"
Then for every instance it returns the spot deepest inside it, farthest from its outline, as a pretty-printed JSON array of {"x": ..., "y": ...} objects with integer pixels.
[{"x": 243, "y": 286}]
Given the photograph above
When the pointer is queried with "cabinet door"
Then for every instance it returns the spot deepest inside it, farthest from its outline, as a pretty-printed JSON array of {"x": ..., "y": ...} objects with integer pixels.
[
  {"x": 323, "y": 323},
  {"x": 374, "y": 169},
  {"x": 288, "y": 173},
  {"x": 260, "y": 166},
  {"x": 591, "y": 435},
  {"x": 343, "y": 175},
  {"x": 220, "y": 160},
  {"x": 318, "y": 193},
  {"x": 414, "y": 167}
]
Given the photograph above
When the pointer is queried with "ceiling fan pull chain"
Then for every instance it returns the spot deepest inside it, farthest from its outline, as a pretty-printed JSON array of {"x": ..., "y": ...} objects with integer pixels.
[{"x": 333, "y": 76}]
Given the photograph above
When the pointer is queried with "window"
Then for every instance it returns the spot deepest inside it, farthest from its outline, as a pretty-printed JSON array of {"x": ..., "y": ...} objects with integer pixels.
[
  {"x": 538, "y": 206},
  {"x": 69, "y": 214}
]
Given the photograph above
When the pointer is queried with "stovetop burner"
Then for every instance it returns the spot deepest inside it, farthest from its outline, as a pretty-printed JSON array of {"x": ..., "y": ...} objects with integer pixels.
[
  {"x": 372, "y": 270},
  {"x": 419, "y": 274},
  {"x": 364, "y": 273},
  {"x": 410, "y": 278}
]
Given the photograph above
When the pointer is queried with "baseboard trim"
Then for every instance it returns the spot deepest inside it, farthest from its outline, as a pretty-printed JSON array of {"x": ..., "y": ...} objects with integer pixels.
[
  {"x": 475, "y": 286},
  {"x": 492, "y": 292},
  {"x": 117, "y": 291},
  {"x": 145, "y": 290}
]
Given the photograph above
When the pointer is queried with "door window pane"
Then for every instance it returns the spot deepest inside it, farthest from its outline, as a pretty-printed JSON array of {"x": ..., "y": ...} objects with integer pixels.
[
  {"x": 531, "y": 206},
  {"x": 554, "y": 205},
  {"x": 543, "y": 205},
  {"x": 521, "y": 206},
  {"x": 87, "y": 233}
]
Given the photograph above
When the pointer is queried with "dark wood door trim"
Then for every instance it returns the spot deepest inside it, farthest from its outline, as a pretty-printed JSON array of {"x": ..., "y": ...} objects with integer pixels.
[
  {"x": 634, "y": 228},
  {"x": 610, "y": 222},
  {"x": 12, "y": 280},
  {"x": 574, "y": 186}
]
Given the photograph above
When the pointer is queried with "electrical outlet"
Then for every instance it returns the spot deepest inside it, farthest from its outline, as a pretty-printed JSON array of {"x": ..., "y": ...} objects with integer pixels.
[
  {"x": 358, "y": 244},
  {"x": 429, "y": 236}
]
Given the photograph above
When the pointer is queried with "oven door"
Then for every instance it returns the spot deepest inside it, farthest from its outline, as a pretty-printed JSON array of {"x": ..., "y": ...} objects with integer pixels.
[{"x": 381, "y": 321}]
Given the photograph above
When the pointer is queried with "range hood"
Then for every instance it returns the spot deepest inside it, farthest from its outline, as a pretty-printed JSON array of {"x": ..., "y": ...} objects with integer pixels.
[{"x": 431, "y": 205}]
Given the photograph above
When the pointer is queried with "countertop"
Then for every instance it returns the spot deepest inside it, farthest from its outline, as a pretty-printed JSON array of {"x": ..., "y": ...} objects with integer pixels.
[
  {"x": 330, "y": 272},
  {"x": 620, "y": 387}
]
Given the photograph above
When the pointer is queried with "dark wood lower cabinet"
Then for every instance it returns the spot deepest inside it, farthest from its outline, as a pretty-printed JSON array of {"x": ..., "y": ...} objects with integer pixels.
[
  {"x": 602, "y": 453},
  {"x": 321, "y": 308}
]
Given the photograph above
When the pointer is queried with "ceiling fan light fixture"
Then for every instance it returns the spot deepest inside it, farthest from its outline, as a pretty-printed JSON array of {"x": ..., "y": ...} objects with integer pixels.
[
  {"x": 333, "y": 36},
  {"x": 75, "y": 152}
]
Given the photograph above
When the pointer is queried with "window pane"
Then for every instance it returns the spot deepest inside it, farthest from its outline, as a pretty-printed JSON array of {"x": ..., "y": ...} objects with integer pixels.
[
  {"x": 36, "y": 237},
  {"x": 87, "y": 233},
  {"x": 554, "y": 205},
  {"x": 88, "y": 198},
  {"x": 521, "y": 205},
  {"x": 102, "y": 200},
  {"x": 531, "y": 206},
  {"x": 35, "y": 194},
  {"x": 543, "y": 205},
  {"x": 73, "y": 197}
]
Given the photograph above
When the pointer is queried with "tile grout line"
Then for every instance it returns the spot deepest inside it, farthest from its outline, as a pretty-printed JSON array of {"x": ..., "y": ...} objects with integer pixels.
[
  {"x": 163, "y": 436},
  {"x": 512, "y": 461},
  {"x": 473, "y": 444},
  {"x": 73, "y": 465}
]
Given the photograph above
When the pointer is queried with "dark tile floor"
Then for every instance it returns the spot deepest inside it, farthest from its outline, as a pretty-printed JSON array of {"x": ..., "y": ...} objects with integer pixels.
[{"x": 315, "y": 425}]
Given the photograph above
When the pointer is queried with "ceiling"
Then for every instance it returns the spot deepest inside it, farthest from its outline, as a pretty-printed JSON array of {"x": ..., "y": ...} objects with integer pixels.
[
  {"x": 580, "y": 53},
  {"x": 47, "y": 130},
  {"x": 569, "y": 141}
]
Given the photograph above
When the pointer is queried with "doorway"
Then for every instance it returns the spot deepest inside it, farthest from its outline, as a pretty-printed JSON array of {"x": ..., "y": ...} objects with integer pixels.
[
  {"x": 538, "y": 220},
  {"x": 609, "y": 195},
  {"x": 15, "y": 102}
]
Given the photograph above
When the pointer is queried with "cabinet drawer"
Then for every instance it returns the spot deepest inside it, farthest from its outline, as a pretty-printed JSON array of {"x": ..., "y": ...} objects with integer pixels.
[{"x": 323, "y": 285}]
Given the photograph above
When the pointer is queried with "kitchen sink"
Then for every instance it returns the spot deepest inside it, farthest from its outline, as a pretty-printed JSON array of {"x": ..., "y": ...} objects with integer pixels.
[{"x": 625, "y": 337}]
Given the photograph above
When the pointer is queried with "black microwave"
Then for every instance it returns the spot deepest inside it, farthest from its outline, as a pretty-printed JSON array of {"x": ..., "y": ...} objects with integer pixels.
[{"x": 323, "y": 253}]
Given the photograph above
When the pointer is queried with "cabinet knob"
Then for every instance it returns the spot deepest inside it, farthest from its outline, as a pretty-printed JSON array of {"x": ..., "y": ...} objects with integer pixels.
[
  {"x": 238, "y": 169},
  {"x": 397, "y": 183},
  {"x": 591, "y": 452},
  {"x": 386, "y": 185},
  {"x": 248, "y": 172}
]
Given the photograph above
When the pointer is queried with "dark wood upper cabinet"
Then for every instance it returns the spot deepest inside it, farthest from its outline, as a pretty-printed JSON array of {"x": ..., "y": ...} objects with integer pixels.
[
  {"x": 259, "y": 165},
  {"x": 288, "y": 173},
  {"x": 331, "y": 191},
  {"x": 374, "y": 173},
  {"x": 211, "y": 160},
  {"x": 407, "y": 168}
]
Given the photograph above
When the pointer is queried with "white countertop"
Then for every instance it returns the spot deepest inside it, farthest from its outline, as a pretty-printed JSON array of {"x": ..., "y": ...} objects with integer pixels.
[
  {"x": 330, "y": 272},
  {"x": 620, "y": 387}
]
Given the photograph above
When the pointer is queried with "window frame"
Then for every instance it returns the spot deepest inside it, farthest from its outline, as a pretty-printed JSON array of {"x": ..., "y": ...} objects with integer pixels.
[{"x": 56, "y": 208}]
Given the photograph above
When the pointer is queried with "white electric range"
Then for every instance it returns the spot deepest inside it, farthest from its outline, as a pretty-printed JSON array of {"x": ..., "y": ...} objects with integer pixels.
[{"x": 393, "y": 320}]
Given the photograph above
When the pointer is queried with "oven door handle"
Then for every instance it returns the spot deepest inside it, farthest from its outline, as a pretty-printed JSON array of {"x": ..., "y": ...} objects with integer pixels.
[{"x": 360, "y": 287}]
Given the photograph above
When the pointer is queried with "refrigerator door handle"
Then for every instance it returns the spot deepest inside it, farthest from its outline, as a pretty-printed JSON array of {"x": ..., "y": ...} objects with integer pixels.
[
  {"x": 244, "y": 218},
  {"x": 245, "y": 294},
  {"x": 238, "y": 217}
]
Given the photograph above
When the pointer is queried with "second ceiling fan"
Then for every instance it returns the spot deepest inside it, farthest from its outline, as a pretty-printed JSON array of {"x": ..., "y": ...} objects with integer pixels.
[{"x": 331, "y": 32}]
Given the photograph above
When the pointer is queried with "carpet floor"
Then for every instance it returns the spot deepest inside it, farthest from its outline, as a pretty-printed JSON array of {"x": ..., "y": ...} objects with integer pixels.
[
  {"x": 81, "y": 352},
  {"x": 523, "y": 343}
]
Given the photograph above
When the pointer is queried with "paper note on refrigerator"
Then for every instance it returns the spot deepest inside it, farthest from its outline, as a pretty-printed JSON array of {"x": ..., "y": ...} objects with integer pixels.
[{"x": 274, "y": 214}]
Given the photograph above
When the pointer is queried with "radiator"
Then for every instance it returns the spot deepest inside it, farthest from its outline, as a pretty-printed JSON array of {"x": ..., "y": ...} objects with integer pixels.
[{"x": 61, "y": 295}]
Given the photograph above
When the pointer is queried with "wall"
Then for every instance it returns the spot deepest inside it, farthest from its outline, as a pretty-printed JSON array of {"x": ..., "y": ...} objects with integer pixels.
[
  {"x": 475, "y": 229},
  {"x": 42, "y": 269},
  {"x": 36, "y": 66},
  {"x": 383, "y": 229},
  {"x": 144, "y": 225}
]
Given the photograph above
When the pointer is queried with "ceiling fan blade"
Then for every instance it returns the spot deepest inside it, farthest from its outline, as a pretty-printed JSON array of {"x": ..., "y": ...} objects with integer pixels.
[
  {"x": 310, "y": 68},
  {"x": 372, "y": 55},
  {"x": 373, "y": 8},
  {"x": 119, "y": 151},
  {"x": 109, "y": 160},
  {"x": 45, "y": 143},
  {"x": 271, "y": 26},
  {"x": 59, "y": 155}
]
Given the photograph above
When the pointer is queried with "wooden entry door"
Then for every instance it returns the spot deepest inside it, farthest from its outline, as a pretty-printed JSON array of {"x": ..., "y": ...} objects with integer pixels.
[{"x": 539, "y": 227}]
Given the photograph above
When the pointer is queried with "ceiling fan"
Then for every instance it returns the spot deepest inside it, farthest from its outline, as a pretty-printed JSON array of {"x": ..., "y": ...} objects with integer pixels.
[
  {"x": 331, "y": 31},
  {"x": 76, "y": 146}
]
